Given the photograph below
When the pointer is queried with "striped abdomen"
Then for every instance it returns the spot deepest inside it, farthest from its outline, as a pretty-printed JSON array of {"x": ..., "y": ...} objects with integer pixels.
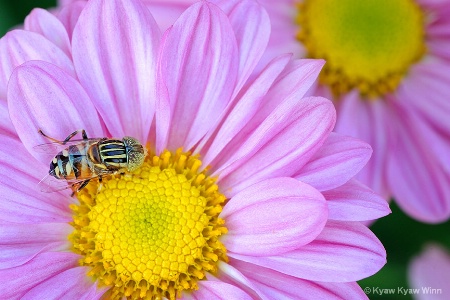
[{"x": 71, "y": 163}]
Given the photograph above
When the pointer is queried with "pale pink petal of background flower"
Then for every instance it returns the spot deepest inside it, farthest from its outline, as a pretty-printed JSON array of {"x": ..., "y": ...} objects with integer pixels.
[
  {"x": 425, "y": 93},
  {"x": 343, "y": 252},
  {"x": 199, "y": 69},
  {"x": 251, "y": 26},
  {"x": 419, "y": 184},
  {"x": 431, "y": 270},
  {"x": 115, "y": 48},
  {"x": 368, "y": 121},
  {"x": 282, "y": 40},
  {"x": 300, "y": 211},
  {"x": 42, "y": 96}
]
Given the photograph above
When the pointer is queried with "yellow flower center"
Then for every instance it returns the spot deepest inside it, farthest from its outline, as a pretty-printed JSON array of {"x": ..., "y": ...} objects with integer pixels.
[
  {"x": 367, "y": 44},
  {"x": 152, "y": 233}
]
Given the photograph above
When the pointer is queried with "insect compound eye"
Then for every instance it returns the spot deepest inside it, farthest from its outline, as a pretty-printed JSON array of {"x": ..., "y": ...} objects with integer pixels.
[
  {"x": 135, "y": 160},
  {"x": 135, "y": 151}
]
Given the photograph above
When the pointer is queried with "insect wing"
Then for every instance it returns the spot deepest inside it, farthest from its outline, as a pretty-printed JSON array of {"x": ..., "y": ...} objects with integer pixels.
[
  {"x": 54, "y": 147},
  {"x": 50, "y": 184}
]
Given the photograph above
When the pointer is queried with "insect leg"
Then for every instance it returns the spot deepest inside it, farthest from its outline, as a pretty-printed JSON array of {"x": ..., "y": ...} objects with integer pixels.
[
  {"x": 50, "y": 138},
  {"x": 70, "y": 136},
  {"x": 100, "y": 184},
  {"x": 83, "y": 133},
  {"x": 82, "y": 185}
]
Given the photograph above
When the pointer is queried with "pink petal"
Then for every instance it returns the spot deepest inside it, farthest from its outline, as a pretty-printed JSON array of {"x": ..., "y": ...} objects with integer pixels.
[
  {"x": 251, "y": 26},
  {"x": 245, "y": 107},
  {"x": 42, "y": 267},
  {"x": 167, "y": 12},
  {"x": 70, "y": 284},
  {"x": 275, "y": 285},
  {"x": 22, "y": 200},
  {"x": 438, "y": 47},
  {"x": 418, "y": 181},
  {"x": 370, "y": 122},
  {"x": 229, "y": 274},
  {"x": 6, "y": 126},
  {"x": 343, "y": 252},
  {"x": 62, "y": 3},
  {"x": 115, "y": 47},
  {"x": 354, "y": 201},
  {"x": 295, "y": 81},
  {"x": 19, "y": 243},
  {"x": 160, "y": 136},
  {"x": 429, "y": 80},
  {"x": 300, "y": 211},
  {"x": 282, "y": 143},
  {"x": 47, "y": 25},
  {"x": 208, "y": 290},
  {"x": 199, "y": 65},
  {"x": 69, "y": 15},
  {"x": 339, "y": 160},
  {"x": 284, "y": 29},
  {"x": 42, "y": 96},
  {"x": 19, "y": 46},
  {"x": 292, "y": 83},
  {"x": 431, "y": 270}
]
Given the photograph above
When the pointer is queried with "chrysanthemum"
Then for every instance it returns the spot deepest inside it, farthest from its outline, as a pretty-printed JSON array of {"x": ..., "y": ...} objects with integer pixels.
[
  {"x": 429, "y": 274},
  {"x": 245, "y": 192}
]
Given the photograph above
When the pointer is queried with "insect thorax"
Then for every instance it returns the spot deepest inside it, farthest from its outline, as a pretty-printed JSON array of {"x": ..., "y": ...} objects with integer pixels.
[{"x": 112, "y": 153}]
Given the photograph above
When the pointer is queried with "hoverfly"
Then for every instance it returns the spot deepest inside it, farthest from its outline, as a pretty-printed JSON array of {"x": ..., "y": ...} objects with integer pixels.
[{"x": 79, "y": 161}]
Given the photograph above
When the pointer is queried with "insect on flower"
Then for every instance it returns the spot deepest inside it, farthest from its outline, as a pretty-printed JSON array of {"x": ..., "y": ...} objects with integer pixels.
[{"x": 79, "y": 161}]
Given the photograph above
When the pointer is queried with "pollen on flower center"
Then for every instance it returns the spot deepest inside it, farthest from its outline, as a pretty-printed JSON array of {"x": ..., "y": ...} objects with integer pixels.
[
  {"x": 368, "y": 45},
  {"x": 152, "y": 233}
]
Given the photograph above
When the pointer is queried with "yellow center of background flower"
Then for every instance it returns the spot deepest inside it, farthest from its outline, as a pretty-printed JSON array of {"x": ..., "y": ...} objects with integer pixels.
[
  {"x": 152, "y": 233},
  {"x": 367, "y": 44}
]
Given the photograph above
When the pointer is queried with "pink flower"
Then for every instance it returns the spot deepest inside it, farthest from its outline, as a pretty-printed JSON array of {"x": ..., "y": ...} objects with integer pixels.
[
  {"x": 402, "y": 112},
  {"x": 429, "y": 274},
  {"x": 245, "y": 193}
]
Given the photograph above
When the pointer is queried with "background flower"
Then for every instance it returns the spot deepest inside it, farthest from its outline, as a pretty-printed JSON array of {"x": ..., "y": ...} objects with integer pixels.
[
  {"x": 409, "y": 134},
  {"x": 429, "y": 272},
  {"x": 109, "y": 73}
]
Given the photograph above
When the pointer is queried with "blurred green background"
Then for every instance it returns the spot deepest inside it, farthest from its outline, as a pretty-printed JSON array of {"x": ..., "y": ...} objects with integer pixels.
[
  {"x": 12, "y": 12},
  {"x": 402, "y": 236}
]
